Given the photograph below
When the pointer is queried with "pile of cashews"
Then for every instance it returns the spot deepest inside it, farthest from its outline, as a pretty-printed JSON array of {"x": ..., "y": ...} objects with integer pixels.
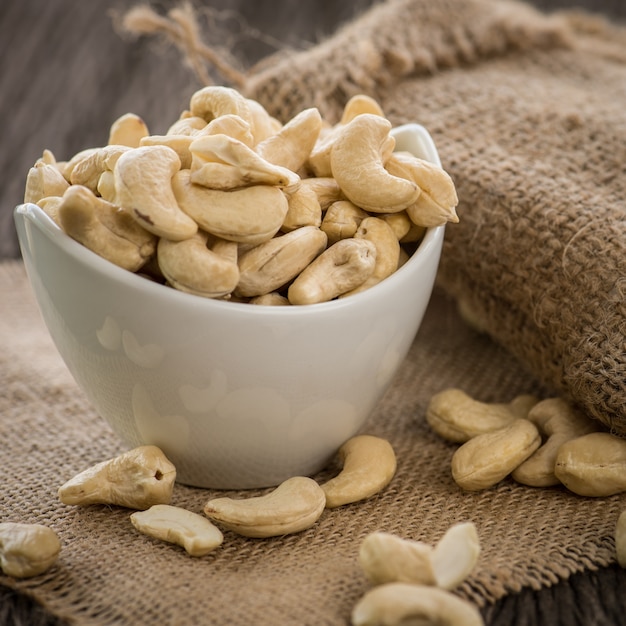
[{"x": 230, "y": 203}]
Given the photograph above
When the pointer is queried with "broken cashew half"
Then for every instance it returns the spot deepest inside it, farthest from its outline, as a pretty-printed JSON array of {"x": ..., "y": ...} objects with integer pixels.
[
  {"x": 293, "y": 506},
  {"x": 398, "y": 604},
  {"x": 387, "y": 558},
  {"x": 136, "y": 479},
  {"x": 369, "y": 464},
  {"x": 193, "y": 532},
  {"x": 27, "y": 550}
]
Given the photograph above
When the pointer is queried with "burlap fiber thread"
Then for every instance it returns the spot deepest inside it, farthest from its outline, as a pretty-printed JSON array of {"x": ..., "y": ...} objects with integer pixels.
[{"x": 528, "y": 114}]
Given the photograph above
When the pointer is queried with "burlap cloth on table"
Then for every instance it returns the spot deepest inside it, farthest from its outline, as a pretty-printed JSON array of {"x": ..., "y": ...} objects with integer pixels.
[
  {"x": 109, "y": 574},
  {"x": 528, "y": 115}
]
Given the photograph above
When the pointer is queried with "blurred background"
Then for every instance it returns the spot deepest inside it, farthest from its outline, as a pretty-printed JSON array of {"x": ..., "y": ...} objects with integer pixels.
[{"x": 66, "y": 73}]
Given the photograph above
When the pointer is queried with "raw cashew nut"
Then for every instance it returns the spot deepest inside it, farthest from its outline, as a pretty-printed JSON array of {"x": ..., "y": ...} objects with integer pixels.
[
  {"x": 457, "y": 417},
  {"x": 87, "y": 171},
  {"x": 136, "y": 479},
  {"x": 620, "y": 539},
  {"x": 456, "y": 554},
  {"x": 271, "y": 265},
  {"x": 304, "y": 209},
  {"x": 486, "y": 459},
  {"x": 195, "y": 266},
  {"x": 387, "y": 558},
  {"x": 270, "y": 299},
  {"x": 231, "y": 125},
  {"x": 436, "y": 203},
  {"x": 593, "y": 465},
  {"x": 357, "y": 165},
  {"x": 104, "y": 228},
  {"x": 400, "y": 604},
  {"x": 222, "y": 162},
  {"x": 340, "y": 268},
  {"x": 189, "y": 125},
  {"x": 341, "y": 220},
  {"x": 215, "y": 100},
  {"x": 319, "y": 158},
  {"x": 43, "y": 180},
  {"x": 292, "y": 144},
  {"x": 250, "y": 215},
  {"x": 387, "y": 251},
  {"x": 558, "y": 422},
  {"x": 179, "y": 143},
  {"x": 369, "y": 464},
  {"x": 193, "y": 532},
  {"x": 128, "y": 130},
  {"x": 27, "y": 550},
  {"x": 143, "y": 184},
  {"x": 293, "y": 506},
  {"x": 262, "y": 124},
  {"x": 326, "y": 189}
]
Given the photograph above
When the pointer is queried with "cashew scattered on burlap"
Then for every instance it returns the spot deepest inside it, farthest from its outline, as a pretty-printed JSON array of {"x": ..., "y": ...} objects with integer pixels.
[
  {"x": 293, "y": 506},
  {"x": 593, "y": 465},
  {"x": 457, "y": 417},
  {"x": 27, "y": 550},
  {"x": 368, "y": 465},
  {"x": 193, "y": 532},
  {"x": 558, "y": 421},
  {"x": 486, "y": 459},
  {"x": 398, "y": 604},
  {"x": 137, "y": 479}
]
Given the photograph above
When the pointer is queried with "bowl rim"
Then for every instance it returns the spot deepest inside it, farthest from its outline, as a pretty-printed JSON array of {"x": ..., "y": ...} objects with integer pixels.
[{"x": 432, "y": 240}]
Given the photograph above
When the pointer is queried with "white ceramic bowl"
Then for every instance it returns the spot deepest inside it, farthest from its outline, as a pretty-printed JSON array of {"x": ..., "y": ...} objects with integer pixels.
[{"x": 237, "y": 396}]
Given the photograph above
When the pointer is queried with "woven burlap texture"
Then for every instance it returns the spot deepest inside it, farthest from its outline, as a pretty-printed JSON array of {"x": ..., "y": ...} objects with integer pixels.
[
  {"x": 110, "y": 574},
  {"x": 527, "y": 111}
]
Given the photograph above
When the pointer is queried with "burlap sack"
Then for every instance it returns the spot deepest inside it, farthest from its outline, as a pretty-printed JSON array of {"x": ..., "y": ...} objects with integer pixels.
[{"x": 528, "y": 112}]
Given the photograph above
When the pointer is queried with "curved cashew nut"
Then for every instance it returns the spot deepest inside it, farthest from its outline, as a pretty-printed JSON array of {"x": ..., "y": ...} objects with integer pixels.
[
  {"x": 143, "y": 184},
  {"x": 27, "y": 549},
  {"x": 262, "y": 124},
  {"x": 326, "y": 189},
  {"x": 215, "y": 100},
  {"x": 369, "y": 464},
  {"x": 558, "y": 422},
  {"x": 386, "y": 558},
  {"x": 128, "y": 130},
  {"x": 193, "y": 532},
  {"x": 304, "y": 209},
  {"x": 136, "y": 479},
  {"x": 339, "y": 269},
  {"x": 593, "y": 465},
  {"x": 104, "y": 228},
  {"x": 291, "y": 145},
  {"x": 387, "y": 251},
  {"x": 455, "y": 555},
  {"x": 319, "y": 158},
  {"x": 293, "y": 506},
  {"x": 179, "y": 143},
  {"x": 457, "y": 417},
  {"x": 436, "y": 204},
  {"x": 251, "y": 214},
  {"x": 486, "y": 459},
  {"x": 356, "y": 163},
  {"x": 231, "y": 125},
  {"x": 394, "y": 604},
  {"x": 87, "y": 171},
  {"x": 188, "y": 125},
  {"x": 270, "y": 299},
  {"x": 43, "y": 180},
  {"x": 341, "y": 220},
  {"x": 271, "y": 265},
  {"x": 195, "y": 266},
  {"x": 222, "y": 162}
]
